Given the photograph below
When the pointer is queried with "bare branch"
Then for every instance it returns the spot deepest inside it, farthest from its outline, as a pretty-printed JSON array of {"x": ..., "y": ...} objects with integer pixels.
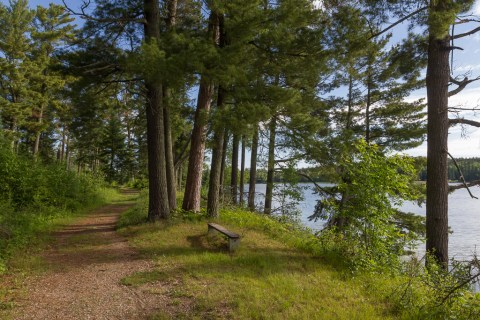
[
  {"x": 408, "y": 16},
  {"x": 86, "y": 16},
  {"x": 461, "y": 84},
  {"x": 461, "y": 176},
  {"x": 463, "y": 109},
  {"x": 466, "y": 34},
  {"x": 472, "y": 123},
  {"x": 319, "y": 188},
  {"x": 454, "y": 48},
  {"x": 461, "y": 186}
]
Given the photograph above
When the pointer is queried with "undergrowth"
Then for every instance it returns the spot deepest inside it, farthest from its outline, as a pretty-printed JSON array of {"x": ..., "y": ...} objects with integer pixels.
[{"x": 35, "y": 198}]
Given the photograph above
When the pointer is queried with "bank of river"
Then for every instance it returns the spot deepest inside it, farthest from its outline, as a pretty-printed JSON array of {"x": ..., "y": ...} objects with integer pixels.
[{"x": 464, "y": 217}]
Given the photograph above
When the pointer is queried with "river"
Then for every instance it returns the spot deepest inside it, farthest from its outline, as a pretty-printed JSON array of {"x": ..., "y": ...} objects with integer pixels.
[{"x": 464, "y": 218}]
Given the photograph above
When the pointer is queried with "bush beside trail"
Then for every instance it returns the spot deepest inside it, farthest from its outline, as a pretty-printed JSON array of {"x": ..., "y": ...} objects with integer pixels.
[{"x": 34, "y": 195}]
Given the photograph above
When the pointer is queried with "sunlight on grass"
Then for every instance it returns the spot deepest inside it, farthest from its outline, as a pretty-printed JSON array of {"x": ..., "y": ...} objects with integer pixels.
[{"x": 264, "y": 279}]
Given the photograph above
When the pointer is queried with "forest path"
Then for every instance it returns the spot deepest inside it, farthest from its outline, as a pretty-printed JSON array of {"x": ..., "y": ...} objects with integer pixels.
[{"x": 83, "y": 273}]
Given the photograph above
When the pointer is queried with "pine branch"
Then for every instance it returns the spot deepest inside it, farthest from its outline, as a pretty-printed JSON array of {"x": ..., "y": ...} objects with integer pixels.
[{"x": 408, "y": 16}]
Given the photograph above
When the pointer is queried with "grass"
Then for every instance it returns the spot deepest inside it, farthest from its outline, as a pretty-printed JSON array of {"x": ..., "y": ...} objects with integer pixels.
[{"x": 274, "y": 274}]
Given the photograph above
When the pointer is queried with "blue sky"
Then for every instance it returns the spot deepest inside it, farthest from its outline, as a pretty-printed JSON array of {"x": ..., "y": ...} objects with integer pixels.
[{"x": 462, "y": 142}]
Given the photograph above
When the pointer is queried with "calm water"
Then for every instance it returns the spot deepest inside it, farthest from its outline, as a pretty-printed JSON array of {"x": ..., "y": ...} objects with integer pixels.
[{"x": 464, "y": 218}]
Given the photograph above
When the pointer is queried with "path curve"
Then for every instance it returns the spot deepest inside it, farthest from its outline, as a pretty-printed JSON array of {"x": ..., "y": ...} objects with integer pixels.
[{"x": 85, "y": 267}]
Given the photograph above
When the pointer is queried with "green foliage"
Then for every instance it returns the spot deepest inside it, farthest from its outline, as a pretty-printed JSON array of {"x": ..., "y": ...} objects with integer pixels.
[
  {"x": 435, "y": 293},
  {"x": 137, "y": 214},
  {"x": 373, "y": 185},
  {"x": 33, "y": 196}
]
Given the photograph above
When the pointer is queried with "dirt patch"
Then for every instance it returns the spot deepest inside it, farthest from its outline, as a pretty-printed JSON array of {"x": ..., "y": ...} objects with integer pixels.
[{"x": 85, "y": 267}]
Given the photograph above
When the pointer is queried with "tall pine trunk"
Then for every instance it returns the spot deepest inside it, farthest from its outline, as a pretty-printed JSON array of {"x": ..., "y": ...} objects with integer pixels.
[
  {"x": 158, "y": 207},
  {"x": 193, "y": 184},
  {"x": 242, "y": 172},
  {"x": 234, "y": 173},
  {"x": 36, "y": 146},
  {"x": 171, "y": 185},
  {"x": 224, "y": 160},
  {"x": 253, "y": 170},
  {"x": 270, "y": 165},
  {"x": 216, "y": 166},
  {"x": 169, "y": 161},
  {"x": 438, "y": 75}
]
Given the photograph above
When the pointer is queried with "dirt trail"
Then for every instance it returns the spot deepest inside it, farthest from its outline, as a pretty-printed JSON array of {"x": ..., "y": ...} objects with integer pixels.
[{"x": 84, "y": 271}]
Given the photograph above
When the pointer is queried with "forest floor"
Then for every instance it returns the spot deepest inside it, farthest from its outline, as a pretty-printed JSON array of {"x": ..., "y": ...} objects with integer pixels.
[{"x": 79, "y": 276}]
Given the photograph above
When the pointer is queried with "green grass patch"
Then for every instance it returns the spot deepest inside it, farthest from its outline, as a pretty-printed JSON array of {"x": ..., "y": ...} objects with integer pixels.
[{"x": 275, "y": 274}]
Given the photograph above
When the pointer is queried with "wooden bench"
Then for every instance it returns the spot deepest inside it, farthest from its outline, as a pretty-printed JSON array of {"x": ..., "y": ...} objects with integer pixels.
[{"x": 233, "y": 238}]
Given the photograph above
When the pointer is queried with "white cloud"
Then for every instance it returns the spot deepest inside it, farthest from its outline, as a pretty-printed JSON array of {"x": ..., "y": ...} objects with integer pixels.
[
  {"x": 462, "y": 142},
  {"x": 476, "y": 7},
  {"x": 467, "y": 67}
]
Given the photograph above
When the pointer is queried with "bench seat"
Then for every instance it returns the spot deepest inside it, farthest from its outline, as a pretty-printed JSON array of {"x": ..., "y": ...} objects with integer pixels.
[{"x": 233, "y": 238}]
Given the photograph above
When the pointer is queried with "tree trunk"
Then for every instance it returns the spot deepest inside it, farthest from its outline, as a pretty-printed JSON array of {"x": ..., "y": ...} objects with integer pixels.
[
  {"x": 36, "y": 146},
  {"x": 179, "y": 177},
  {"x": 438, "y": 75},
  {"x": 171, "y": 186},
  {"x": 62, "y": 149},
  {"x": 253, "y": 170},
  {"x": 222, "y": 170},
  {"x": 193, "y": 185},
  {"x": 158, "y": 207},
  {"x": 234, "y": 175},
  {"x": 214, "y": 183},
  {"x": 367, "y": 111},
  {"x": 170, "y": 166},
  {"x": 242, "y": 171},
  {"x": 270, "y": 166}
]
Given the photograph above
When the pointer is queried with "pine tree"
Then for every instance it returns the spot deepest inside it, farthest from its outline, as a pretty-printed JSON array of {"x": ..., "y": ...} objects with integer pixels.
[{"x": 15, "y": 67}]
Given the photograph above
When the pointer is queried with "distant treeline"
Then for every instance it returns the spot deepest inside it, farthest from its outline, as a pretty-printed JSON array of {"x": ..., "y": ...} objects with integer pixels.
[
  {"x": 470, "y": 168},
  {"x": 314, "y": 173}
]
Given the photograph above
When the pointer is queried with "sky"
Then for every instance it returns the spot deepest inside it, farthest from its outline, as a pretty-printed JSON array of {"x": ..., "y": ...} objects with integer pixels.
[{"x": 463, "y": 142}]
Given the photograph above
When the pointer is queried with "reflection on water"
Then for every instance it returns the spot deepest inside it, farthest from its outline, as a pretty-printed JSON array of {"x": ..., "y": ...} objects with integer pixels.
[{"x": 464, "y": 218}]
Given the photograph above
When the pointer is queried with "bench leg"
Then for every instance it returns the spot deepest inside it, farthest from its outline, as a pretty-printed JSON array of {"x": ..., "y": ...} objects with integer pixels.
[
  {"x": 233, "y": 244},
  {"x": 211, "y": 230}
]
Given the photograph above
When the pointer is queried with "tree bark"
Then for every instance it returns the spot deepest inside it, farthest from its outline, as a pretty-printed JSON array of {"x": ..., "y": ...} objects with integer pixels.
[
  {"x": 234, "y": 174},
  {"x": 367, "y": 111},
  {"x": 224, "y": 160},
  {"x": 242, "y": 172},
  {"x": 193, "y": 184},
  {"x": 270, "y": 166},
  {"x": 215, "y": 171},
  {"x": 64, "y": 139},
  {"x": 158, "y": 207},
  {"x": 170, "y": 165},
  {"x": 253, "y": 170},
  {"x": 36, "y": 146},
  {"x": 438, "y": 74},
  {"x": 171, "y": 185}
]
